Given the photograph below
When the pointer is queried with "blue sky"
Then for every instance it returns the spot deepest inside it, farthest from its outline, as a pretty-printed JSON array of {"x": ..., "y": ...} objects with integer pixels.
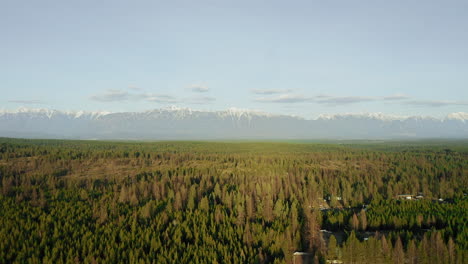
[{"x": 293, "y": 57}]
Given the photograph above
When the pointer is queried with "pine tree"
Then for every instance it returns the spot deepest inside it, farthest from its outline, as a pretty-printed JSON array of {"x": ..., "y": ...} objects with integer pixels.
[
  {"x": 178, "y": 201},
  {"x": 398, "y": 253},
  {"x": 451, "y": 250},
  {"x": 362, "y": 220},
  {"x": 386, "y": 249},
  {"x": 331, "y": 253},
  {"x": 204, "y": 204},
  {"x": 412, "y": 252},
  {"x": 351, "y": 250},
  {"x": 354, "y": 222}
]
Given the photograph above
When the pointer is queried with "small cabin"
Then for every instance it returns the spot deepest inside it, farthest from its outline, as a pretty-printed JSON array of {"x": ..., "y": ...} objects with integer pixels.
[
  {"x": 303, "y": 258},
  {"x": 405, "y": 196},
  {"x": 329, "y": 198},
  {"x": 334, "y": 261}
]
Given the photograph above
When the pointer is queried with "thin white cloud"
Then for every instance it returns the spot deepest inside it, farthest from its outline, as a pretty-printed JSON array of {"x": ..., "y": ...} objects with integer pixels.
[
  {"x": 134, "y": 93},
  {"x": 323, "y": 96},
  {"x": 284, "y": 98},
  {"x": 160, "y": 98},
  {"x": 122, "y": 96},
  {"x": 436, "y": 103},
  {"x": 395, "y": 97},
  {"x": 343, "y": 100},
  {"x": 198, "y": 88},
  {"x": 134, "y": 88},
  {"x": 271, "y": 91},
  {"x": 329, "y": 100},
  {"x": 401, "y": 98},
  {"x": 324, "y": 99},
  {"x": 201, "y": 100},
  {"x": 27, "y": 101},
  {"x": 113, "y": 95}
]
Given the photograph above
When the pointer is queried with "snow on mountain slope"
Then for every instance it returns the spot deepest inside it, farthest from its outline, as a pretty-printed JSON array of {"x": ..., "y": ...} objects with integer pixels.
[
  {"x": 461, "y": 116},
  {"x": 376, "y": 116},
  {"x": 50, "y": 113},
  {"x": 186, "y": 123}
]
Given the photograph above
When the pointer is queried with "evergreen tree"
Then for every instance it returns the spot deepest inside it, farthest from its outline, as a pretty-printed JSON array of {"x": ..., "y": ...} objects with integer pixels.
[
  {"x": 332, "y": 248},
  {"x": 398, "y": 253}
]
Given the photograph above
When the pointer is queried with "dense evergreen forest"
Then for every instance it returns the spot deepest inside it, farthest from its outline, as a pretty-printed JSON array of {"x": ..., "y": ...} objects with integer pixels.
[{"x": 233, "y": 202}]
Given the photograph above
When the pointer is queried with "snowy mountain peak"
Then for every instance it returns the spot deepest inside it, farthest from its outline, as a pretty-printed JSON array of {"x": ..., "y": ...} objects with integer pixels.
[
  {"x": 240, "y": 113},
  {"x": 461, "y": 116},
  {"x": 50, "y": 113},
  {"x": 33, "y": 111},
  {"x": 175, "y": 112},
  {"x": 374, "y": 116},
  {"x": 235, "y": 113},
  {"x": 185, "y": 123},
  {"x": 232, "y": 112}
]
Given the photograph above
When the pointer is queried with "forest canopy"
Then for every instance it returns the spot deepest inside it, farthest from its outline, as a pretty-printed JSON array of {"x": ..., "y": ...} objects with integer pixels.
[{"x": 233, "y": 202}]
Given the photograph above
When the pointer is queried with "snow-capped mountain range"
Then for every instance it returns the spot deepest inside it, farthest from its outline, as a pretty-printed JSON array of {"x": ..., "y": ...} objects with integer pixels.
[{"x": 184, "y": 123}]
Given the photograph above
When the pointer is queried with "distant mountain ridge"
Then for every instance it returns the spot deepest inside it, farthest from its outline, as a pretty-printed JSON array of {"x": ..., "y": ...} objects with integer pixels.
[{"x": 184, "y": 123}]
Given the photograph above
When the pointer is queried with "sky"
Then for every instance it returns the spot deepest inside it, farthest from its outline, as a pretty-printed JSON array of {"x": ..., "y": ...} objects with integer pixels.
[{"x": 301, "y": 58}]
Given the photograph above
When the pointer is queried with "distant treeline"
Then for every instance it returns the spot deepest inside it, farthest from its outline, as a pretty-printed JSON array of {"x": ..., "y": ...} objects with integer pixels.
[{"x": 239, "y": 202}]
